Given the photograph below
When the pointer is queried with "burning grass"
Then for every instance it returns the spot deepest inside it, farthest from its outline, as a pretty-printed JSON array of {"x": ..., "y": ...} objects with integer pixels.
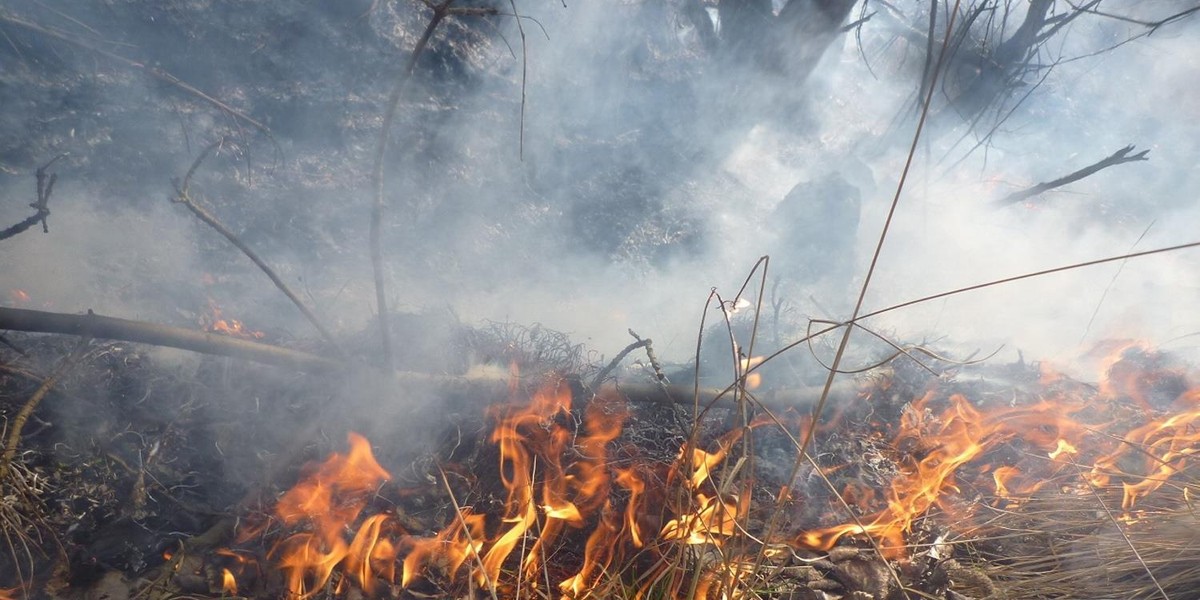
[{"x": 984, "y": 482}]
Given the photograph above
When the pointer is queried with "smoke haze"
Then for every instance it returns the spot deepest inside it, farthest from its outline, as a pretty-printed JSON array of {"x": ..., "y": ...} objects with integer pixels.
[{"x": 663, "y": 149}]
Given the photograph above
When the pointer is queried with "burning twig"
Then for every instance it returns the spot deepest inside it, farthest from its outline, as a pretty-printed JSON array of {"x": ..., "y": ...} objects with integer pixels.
[
  {"x": 1119, "y": 157},
  {"x": 45, "y": 186},
  {"x": 183, "y": 196},
  {"x": 458, "y": 514}
]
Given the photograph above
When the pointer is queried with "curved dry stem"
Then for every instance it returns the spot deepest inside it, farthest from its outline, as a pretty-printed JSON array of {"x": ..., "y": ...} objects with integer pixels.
[{"x": 183, "y": 196}]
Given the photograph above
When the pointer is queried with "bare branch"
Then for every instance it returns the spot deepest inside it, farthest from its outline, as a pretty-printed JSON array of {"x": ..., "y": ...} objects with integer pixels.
[
  {"x": 150, "y": 71},
  {"x": 375, "y": 235},
  {"x": 1119, "y": 157},
  {"x": 183, "y": 196},
  {"x": 45, "y": 186}
]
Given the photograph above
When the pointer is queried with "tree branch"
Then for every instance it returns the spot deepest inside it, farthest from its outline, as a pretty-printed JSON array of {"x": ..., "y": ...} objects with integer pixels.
[
  {"x": 183, "y": 196},
  {"x": 91, "y": 324},
  {"x": 1119, "y": 157},
  {"x": 111, "y": 328},
  {"x": 45, "y": 186},
  {"x": 440, "y": 11}
]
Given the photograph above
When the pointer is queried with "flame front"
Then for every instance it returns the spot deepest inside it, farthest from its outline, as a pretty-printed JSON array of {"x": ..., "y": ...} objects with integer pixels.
[
  {"x": 557, "y": 475},
  {"x": 328, "y": 501}
]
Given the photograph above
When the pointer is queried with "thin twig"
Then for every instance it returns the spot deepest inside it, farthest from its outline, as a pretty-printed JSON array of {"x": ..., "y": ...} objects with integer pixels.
[
  {"x": 183, "y": 196},
  {"x": 524, "y": 76},
  {"x": 1111, "y": 283},
  {"x": 377, "y": 174},
  {"x": 650, "y": 356},
  {"x": 45, "y": 186},
  {"x": 491, "y": 586},
  {"x": 773, "y": 522},
  {"x": 612, "y": 364},
  {"x": 1119, "y": 157},
  {"x": 153, "y": 72},
  {"x": 1120, "y": 530}
]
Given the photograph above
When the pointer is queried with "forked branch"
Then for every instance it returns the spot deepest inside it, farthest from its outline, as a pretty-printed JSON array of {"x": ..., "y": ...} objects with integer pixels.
[
  {"x": 45, "y": 186},
  {"x": 441, "y": 10},
  {"x": 183, "y": 196},
  {"x": 1119, "y": 157}
]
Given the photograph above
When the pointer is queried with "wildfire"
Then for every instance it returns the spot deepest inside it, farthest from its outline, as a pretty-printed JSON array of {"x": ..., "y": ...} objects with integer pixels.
[
  {"x": 327, "y": 501},
  {"x": 557, "y": 476}
]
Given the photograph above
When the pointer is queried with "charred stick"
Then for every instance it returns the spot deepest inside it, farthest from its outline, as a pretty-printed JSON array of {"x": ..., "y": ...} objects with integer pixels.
[
  {"x": 612, "y": 364},
  {"x": 1119, "y": 157},
  {"x": 45, "y": 186},
  {"x": 183, "y": 196}
]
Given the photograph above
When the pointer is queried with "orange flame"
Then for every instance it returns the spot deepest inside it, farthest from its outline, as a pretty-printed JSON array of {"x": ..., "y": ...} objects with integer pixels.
[
  {"x": 955, "y": 437},
  {"x": 557, "y": 474},
  {"x": 217, "y": 323},
  {"x": 448, "y": 550},
  {"x": 1159, "y": 449},
  {"x": 228, "y": 582},
  {"x": 329, "y": 500}
]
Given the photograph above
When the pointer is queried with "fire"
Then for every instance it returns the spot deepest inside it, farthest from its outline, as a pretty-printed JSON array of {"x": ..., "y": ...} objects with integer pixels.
[
  {"x": 561, "y": 482},
  {"x": 1158, "y": 450},
  {"x": 1063, "y": 447},
  {"x": 18, "y": 297},
  {"x": 753, "y": 380},
  {"x": 214, "y": 321},
  {"x": 228, "y": 582},
  {"x": 331, "y": 498}
]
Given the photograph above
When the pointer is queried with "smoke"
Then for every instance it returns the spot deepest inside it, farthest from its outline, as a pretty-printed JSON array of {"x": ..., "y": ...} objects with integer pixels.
[{"x": 658, "y": 156}]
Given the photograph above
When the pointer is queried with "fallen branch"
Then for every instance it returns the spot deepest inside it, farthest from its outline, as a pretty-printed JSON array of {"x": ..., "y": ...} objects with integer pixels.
[
  {"x": 91, "y": 324},
  {"x": 111, "y": 328},
  {"x": 45, "y": 186},
  {"x": 1121, "y": 156}
]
